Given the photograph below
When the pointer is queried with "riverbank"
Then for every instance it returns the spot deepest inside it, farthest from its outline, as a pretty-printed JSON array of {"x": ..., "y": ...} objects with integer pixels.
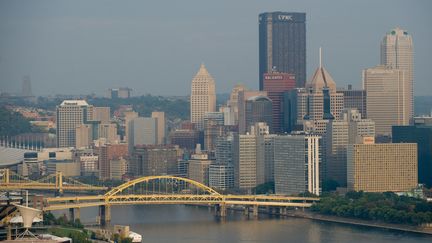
[{"x": 359, "y": 222}]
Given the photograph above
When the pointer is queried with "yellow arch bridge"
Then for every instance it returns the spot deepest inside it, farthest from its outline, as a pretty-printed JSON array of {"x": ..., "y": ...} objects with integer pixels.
[
  {"x": 10, "y": 180},
  {"x": 170, "y": 190}
]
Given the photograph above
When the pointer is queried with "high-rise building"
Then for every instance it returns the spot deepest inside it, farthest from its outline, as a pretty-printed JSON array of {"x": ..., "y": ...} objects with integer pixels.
[
  {"x": 118, "y": 168},
  {"x": 224, "y": 149},
  {"x": 243, "y": 96},
  {"x": 282, "y": 45},
  {"x": 198, "y": 169},
  {"x": 203, "y": 96},
  {"x": 297, "y": 162},
  {"x": 108, "y": 152},
  {"x": 320, "y": 102},
  {"x": 248, "y": 158},
  {"x": 152, "y": 160},
  {"x": 276, "y": 84},
  {"x": 259, "y": 109},
  {"x": 213, "y": 127},
  {"x": 354, "y": 98},
  {"x": 397, "y": 52},
  {"x": 233, "y": 101},
  {"x": 386, "y": 102},
  {"x": 122, "y": 93},
  {"x": 420, "y": 133},
  {"x": 108, "y": 131},
  {"x": 185, "y": 138},
  {"x": 83, "y": 136},
  {"x": 101, "y": 114},
  {"x": 161, "y": 126},
  {"x": 350, "y": 129},
  {"x": 70, "y": 114},
  {"x": 142, "y": 131},
  {"x": 221, "y": 176},
  {"x": 382, "y": 167}
]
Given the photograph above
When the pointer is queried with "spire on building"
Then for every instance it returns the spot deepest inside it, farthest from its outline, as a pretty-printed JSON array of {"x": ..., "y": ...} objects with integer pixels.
[{"x": 321, "y": 78}]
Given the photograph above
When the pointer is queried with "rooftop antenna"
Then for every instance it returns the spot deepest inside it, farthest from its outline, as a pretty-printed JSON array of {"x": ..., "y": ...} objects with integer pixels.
[{"x": 320, "y": 58}]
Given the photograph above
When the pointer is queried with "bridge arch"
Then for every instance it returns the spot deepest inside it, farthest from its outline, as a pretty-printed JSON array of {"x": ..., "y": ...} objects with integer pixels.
[{"x": 129, "y": 184}]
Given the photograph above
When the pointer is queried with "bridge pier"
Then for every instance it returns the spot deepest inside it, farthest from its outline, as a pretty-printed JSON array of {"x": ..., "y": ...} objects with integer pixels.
[
  {"x": 74, "y": 214},
  {"x": 104, "y": 214},
  {"x": 221, "y": 210},
  {"x": 246, "y": 210},
  {"x": 255, "y": 211}
]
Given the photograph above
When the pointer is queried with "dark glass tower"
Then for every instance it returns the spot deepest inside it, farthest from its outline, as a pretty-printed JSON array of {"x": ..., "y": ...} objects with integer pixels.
[{"x": 282, "y": 45}]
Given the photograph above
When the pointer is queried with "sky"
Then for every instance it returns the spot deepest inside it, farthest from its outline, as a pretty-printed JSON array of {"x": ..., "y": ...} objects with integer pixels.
[{"x": 156, "y": 46}]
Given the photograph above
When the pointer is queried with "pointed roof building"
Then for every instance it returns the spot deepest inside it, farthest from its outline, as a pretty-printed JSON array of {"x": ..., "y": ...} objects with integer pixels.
[
  {"x": 321, "y": 79},
  {"x": 203, "y": 96}
]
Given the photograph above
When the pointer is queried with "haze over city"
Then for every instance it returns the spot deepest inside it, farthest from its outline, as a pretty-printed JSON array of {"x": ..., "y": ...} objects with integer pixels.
[{"x": 156, "y": 47}]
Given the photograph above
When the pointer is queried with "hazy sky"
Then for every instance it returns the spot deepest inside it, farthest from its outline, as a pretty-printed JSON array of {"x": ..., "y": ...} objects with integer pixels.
[{"x": 156, "y": 47}]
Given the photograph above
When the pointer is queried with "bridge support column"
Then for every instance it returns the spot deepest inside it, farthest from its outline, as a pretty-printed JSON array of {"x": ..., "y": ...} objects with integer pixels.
[
  {"x": 77, "y": 213},
  {"x": 246, "y": 210},
  {"x": 220, "y": 210},
  {"x": 104, "y": 214},
  {"x": 255, "y": 211},
  {"x": 71, "y": 215}
]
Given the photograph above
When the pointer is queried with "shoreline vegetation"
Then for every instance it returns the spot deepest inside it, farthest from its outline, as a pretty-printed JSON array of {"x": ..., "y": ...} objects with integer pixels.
[{"x": 382, "y": 210}]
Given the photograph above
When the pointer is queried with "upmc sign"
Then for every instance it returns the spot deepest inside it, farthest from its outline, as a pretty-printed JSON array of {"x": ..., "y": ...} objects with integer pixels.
[{"x": 285, "y": 17}]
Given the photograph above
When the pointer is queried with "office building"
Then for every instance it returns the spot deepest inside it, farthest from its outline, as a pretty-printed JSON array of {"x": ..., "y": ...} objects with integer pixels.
[
  {"x": 119, "y": 93},
  {"x": 243, "y": 96},
  {"x": 66, "y": 167},
  {"x": 276, "y": 84},
  {"x": 161, "y": 126},
  {"x": 221, "y": 176},
  {"x": 101, "y": 114},
  {"x": 421, "y": 134},
  {"x": 259, "y": 109},
  {"x": 248, "y": 158},
  {"x": 185, "y": 138},
  {"x": 118, "y": 168},
  {"x": 198, "y": 168},
  {"x": 282, "y": 45},
  {"x": 142, "y": 131},
  {"x": 397, "y": 52},
  {"x": 153, "y": 160},
  {"x": 83, "y": 136},
  {"x": 69, "y": 115},
  {"x": 224, "y": 149},
  {"x": 108, "y": 131},
  {"x": 382, "y": 167},
  {"x": 203, "y": 96},
  {"x": 354, "y": 99},
  {"x": 233, "y": 101},
  {"x": 320, "y": 103},
  {"x": 387, "y": 103},
  {"x": 297, "y": 163},
  {"x": 213, "y": 127},
  {"x": 89, "y": 163},
  {"x": 108, "y": 152}
]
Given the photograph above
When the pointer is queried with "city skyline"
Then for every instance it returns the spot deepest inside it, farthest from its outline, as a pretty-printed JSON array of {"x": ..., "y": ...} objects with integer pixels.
[{"x": 62, "y": 46}]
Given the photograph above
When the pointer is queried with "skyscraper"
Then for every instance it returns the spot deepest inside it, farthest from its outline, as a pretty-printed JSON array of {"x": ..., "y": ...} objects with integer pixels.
[
  {"x": 297, "y": 162},
  {"x": 386, "y": 102},
  {"x": 203, "y": 96},
  {"x": 282, "y": 45},
  {"x": 259, "y": 109},
  {"x": 161, "y": 126},
  {"x": 70, "y": 114},
  {"x": 397, "y": 52},
  {"x": 276, "y": 84}
]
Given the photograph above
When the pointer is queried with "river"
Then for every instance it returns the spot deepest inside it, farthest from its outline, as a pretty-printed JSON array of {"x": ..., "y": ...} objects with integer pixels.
[{"x": 189, "y": 224}]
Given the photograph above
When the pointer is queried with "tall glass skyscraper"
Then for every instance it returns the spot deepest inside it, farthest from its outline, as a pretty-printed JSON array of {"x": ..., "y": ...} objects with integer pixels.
[{"x": 282, "y": 45}]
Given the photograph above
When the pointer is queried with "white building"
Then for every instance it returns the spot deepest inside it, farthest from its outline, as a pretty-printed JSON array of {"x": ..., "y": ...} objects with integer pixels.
[
  {"x": 397, "y": 52},
  {"x": 203, "y": 96},
  {"x": 297, "y": 161}
]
